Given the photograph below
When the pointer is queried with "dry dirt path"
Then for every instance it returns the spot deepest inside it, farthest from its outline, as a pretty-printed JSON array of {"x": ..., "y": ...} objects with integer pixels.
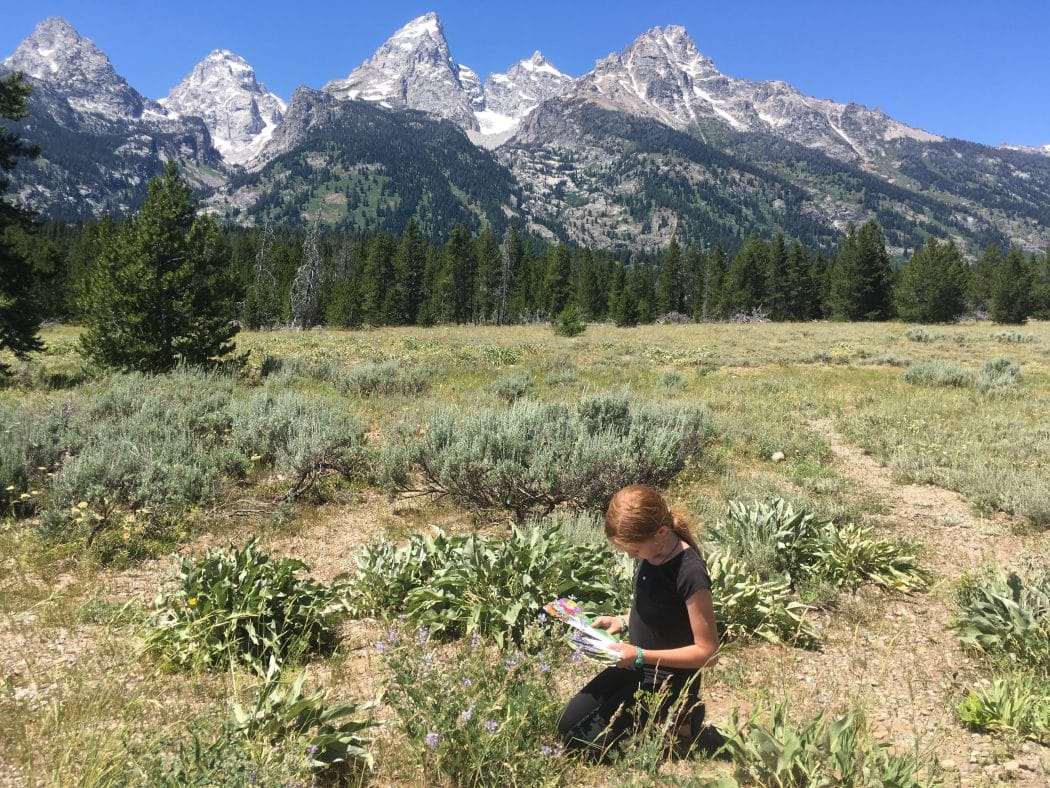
[{"x": 892, "y": 654}]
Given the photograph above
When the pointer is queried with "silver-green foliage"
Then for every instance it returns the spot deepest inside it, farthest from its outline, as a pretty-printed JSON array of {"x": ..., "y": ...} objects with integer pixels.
[
  {"x": 779, "y": 543},
  {"x": 998, "y": 374},
  {"x": 748, "y": 605},
  {"x": 384, "y": 379},
  {"x": 464, "y": 584},
  {"x": 511, "y": 387},
  {"x": 1007, "y": 617},
  {"x": 242, "y": 606},
  {"x": 331, "y": 734},
  {"x": 770, "y": 748},
  {"x": 1017, "y": 704},
  {"x": 938, "y": 372},
  {"x": 532, "y": 457}
]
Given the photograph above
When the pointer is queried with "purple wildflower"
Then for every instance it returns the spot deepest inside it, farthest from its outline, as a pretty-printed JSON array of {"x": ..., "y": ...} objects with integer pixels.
[
  {"x": 577, "y": 657},
  {"x": 475, "y": 640},
  {"x": 550, "y": 752},
  {"x": 428, "y": 657},
  {"x": 544, "y": 667},
  {"x": 431, "y": 739},
  {"x": 381, "y": 647},
  {"x": 491, "y": 725},
  {"x": 312, "y": 749},
  {"x": 422, "y": 634},
  {"x": 465, "y": 716},
  {"x": 541, "y": 618},
  {"x": 468, "y": 683},
  {"x": 511, "y": 663},
  {"x": 391, "y": 635}
]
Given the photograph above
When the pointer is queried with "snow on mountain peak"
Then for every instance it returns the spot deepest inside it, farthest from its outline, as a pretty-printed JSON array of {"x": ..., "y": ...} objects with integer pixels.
[
  {"x": 78, "y": 70},
  {"x": 240, "y": 113},
  {"x": 414, "y": 69}
]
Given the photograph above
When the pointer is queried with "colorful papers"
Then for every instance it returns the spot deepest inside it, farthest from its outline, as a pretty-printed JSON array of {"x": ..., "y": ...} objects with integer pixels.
[{"x": 593, "y": 643}]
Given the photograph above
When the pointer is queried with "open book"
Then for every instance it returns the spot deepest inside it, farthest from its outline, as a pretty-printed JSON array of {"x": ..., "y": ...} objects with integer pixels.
[{"x": 591, "y": 642}]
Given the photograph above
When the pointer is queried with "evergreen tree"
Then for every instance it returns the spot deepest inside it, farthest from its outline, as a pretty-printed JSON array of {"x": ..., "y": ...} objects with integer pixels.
[
  {"x": 642, "y": 283},
  {"x": 778, "y": 280},
  {"x": 932, "y": 285},
  {"x": 1012, "y": 289},
  {"x": 590, "y": 294},
  {"x": 343, "y": 303},
  {"x": 747, "y": 281},
  {"x": 488, "y": 278},
  {"x": 861, "y": 279},
  {"x": 714, "y": 284},
  {"x": 160, "y": 293},
  {"x": 801, "y": 295},
  {"x": 19, "y": 312},
  {"x": 982, "y": 278},
  {"x": 461, "y": 270},
  {"x": 623, "y": 306},
  {"x": 380, "y": 297},
  {"x": 557, "y": 283},
  {"x": 671, "y": 290},
  {"x": 820, "y": 274},
  {"x": 1041, "y": 290},
  {"x": 696, "y": 271},
  {"x": 410, "y": 266}
]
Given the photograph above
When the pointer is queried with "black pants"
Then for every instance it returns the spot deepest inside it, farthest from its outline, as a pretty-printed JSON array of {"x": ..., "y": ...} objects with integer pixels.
[{"x": 610, "y": 698}]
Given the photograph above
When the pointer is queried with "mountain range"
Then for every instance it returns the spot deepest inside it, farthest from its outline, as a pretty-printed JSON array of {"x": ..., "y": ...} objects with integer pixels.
[{"x": 653, "y": 141}]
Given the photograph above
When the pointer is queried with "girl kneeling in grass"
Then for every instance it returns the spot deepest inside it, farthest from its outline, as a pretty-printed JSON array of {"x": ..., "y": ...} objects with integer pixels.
[{"x": 670, "y": 629}]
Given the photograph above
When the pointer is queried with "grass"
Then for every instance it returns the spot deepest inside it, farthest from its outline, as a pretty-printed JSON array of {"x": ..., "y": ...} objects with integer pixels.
[{"x": 84, "y": 711}]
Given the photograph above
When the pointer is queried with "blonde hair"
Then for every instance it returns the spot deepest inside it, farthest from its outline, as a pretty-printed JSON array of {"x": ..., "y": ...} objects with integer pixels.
[{"x": 638, "y": 511}]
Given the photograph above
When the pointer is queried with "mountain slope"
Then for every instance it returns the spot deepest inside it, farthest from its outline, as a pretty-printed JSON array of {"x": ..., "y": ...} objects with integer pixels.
[{"x": 362, "y": 166}]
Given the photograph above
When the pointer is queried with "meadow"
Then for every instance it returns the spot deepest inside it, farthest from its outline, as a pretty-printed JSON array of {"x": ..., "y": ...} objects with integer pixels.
[{"x": 328, "y": 566}]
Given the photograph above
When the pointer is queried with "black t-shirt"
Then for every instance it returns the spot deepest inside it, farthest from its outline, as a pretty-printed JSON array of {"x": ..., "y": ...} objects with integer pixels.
[{"x": 659, "y": 618}]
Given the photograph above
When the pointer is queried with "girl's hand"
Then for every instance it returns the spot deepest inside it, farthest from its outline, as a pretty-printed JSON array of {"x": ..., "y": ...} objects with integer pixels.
[
  {"x": 628, "y": 654},
  {"x": 611, "y": 624}
]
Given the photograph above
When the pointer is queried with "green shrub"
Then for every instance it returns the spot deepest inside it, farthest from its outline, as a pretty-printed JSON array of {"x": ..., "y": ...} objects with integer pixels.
[
  {"x": 817, "y": 753},
  {"x": 460, "y": 585},
  {"x": 384, "y": 379},
  {"x": 1007, "y": 617},
  {"x": 511, "y": 387},
  {"x": 1013, "y": 337},
  {"x": 998, "y": 374},
  {"x": 938, "y": 372},
  {"x": 672, "y": 380},
  {"x": 242, "y": 606},
  {"x": 302, "y": 436},
  {"x": 746, "y": 605},
  {"x": 532, "y": 457},
  {"x": 569, "y": 323},
  {"x": 922, "y": 335},
  {"x": 777, "y": 542},
  {"x": 478, "y": 715},
  {"x": 330, "y": 734},
  {"x": 1017, "y": 704}
]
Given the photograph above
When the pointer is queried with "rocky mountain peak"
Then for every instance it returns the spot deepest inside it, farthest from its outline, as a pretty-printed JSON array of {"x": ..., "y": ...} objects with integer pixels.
[
  {"x": 238, "y": 110},
  {"x": 414, "y": 69},
  {"x": 76, "y": 69},
  {"x": 514, "y": 94}
]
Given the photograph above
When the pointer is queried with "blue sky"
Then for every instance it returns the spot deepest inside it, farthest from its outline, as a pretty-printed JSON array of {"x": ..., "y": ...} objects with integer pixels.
[{"x": 974, "y": 69}]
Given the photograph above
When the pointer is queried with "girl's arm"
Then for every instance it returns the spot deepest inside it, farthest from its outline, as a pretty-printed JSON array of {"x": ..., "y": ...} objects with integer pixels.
[{"x": 697, "y": 654}]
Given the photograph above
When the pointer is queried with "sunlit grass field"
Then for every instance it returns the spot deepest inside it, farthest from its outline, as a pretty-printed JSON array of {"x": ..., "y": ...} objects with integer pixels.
[{"x": 82, "y": 703}]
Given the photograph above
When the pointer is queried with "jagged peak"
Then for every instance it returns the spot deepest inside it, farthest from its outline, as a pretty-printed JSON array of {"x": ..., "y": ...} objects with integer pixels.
[
  {"x": 57, "y": 26},
  {"x": 539, "y": 63},
  {"x": 427, "y": 25}
]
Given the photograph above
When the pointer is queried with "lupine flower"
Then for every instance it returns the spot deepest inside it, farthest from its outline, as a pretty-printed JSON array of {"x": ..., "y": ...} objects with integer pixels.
[
  {"x": 491, "y": 725},
  {"x": 550, "y": 752},
  {"x": 431, "y": 739},
  {"x": 428, "y": 657},
  {"x": 465, "y": 716},
  {"x": 381, "y": 647},
  {"x": 511, "y": 663},
  {"x": 313, "y": 749},
  {"x": 541, "y": 618},
  {"x": 475, "y": 640},
  {"x": 468, "y": 683},
  {"x": 544, "y": 667},
  {"x": 577, "y": 657},
  {"x": 391, "y": 635},
  {"x": 421, "y": 636}
]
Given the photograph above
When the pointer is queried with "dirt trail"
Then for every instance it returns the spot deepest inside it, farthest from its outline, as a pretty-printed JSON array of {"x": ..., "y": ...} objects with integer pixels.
[{"x": 892, "y": 654}]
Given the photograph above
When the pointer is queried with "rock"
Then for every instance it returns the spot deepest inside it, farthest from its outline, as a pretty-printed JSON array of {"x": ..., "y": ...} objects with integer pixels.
[
  {"x": 948, "y": 765},
  {"x": 778, "y": 456}
]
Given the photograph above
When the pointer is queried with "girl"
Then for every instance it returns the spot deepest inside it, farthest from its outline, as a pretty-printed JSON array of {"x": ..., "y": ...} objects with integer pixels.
[{"x": 670, "y": 628}]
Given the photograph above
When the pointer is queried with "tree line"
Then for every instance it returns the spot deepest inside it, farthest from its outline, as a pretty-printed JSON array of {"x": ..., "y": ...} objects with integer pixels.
[{"x": 170, "y": 285}]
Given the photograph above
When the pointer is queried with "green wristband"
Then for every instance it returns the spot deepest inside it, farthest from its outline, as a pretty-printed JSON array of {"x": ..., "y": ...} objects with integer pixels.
[{"x": 639, "y": 660}]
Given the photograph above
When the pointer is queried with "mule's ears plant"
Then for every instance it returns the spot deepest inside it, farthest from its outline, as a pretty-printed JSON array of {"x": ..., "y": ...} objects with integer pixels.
[
  {"x": 770, "y": 748},
  {"x": 1017, "y": 704},
  {"x": 460, "y": 585},
  {"x": 330, "y": 734},
  {"x": 242, "y": 606},
  {"x": 1006, "y": 616}
]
